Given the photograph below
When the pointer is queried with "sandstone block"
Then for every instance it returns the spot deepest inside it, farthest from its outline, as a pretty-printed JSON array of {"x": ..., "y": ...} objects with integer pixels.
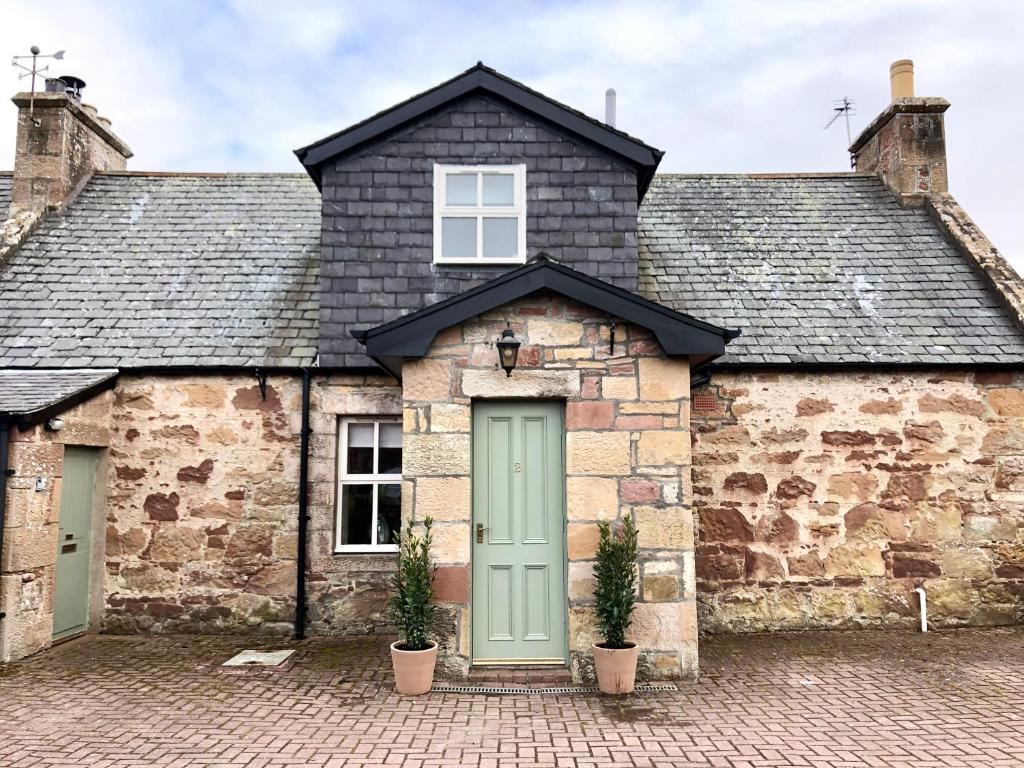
[
  {"x": 618, "y": 388},
  {"x": 451, "y": 584},
  {"x": 176, "y": 544},
  {"x": 591, "y": 498},
  {"x": 724, "y": 524},
  {"x": 436, "y": 454},
  {"x": 582, "y": 628},
  {"x": 663, "y": 447},
  {"x": 597, "y": 453},
  {"x": 869, "y": 522},
  {"x": 581, "y": 580},
  {"x": 589, "y": 414},
  {"x": 29, "y": 547},
  {"x": 664, "y": 626},
  {"x": 36, "y": 459},
  {"x": 973, "y": 563},
  {"x": 809, "y": 565},
  {"x": 664, "y": 527},
  {"x": 450, "y": 417},
  {"x": 443, "y": 498},
  {"x": 451, "y": 542},
  {"x": 203, "y": 395},
  {"x": 639, "y": 489},
  {"x": 426, "y": 379},
  {"x": 554, "y": 333},
  {"x": 523, "y": 383},
  {"x": 948, "y": 598},
  {"x": 661, "y": 588},
  {"x": 663, "y": 379},
  {"x": 763, "y": 566},
  {"x": 855, "y": 560},
  {"x": 582, "y": 540},
  {"x": 127, "y": 543},
  {"x": 148, "y": 578},
  {"x": 1007, "y": 401}
]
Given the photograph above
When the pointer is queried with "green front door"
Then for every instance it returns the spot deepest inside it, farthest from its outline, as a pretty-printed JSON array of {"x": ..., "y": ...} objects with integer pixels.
[
  {"x": 519, "y": 599},
  {"x": 71, "y": 601}
]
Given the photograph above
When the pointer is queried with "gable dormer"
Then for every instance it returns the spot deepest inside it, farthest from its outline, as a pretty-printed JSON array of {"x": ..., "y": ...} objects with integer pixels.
[{"x": 462, "y": 183}]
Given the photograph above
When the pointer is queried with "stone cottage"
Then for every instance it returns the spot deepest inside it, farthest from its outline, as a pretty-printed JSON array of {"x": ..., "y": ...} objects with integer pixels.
[{"x": 221, "y": 395}]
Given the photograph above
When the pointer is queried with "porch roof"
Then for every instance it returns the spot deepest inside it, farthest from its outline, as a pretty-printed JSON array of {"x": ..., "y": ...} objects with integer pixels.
[
  {"x": 409, "y": 337},
  {"x": 31, "y": 396}
]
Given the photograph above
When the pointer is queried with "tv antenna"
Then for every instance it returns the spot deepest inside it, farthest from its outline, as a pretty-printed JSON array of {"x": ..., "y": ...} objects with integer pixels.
[{"x": 33, "y": 70}]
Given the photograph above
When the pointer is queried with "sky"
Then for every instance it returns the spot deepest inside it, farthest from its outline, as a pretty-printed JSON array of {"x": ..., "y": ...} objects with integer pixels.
[{"x": 727, "y": 86}]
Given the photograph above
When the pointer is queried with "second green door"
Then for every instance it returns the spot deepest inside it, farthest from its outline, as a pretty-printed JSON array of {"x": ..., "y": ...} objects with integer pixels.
[{"x": 519, "y": 585}]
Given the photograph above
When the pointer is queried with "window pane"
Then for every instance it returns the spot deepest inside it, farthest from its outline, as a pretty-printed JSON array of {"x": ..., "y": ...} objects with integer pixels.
[
  {"x": 390, "y": 458},
  {"x": 499, "y": 189},
  {"x": 500, "y": 238},
  {"x": 389, "y": 513},
  {"x": 356, "y": 514},
  {"x": 458, "y": 238},
  {"x": 360, "y": 449},
  {"x": 460, "y": 188}
]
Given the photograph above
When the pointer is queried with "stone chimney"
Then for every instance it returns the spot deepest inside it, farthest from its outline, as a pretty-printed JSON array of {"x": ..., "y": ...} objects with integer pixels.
[
  {"x": 60, "y": 143},
  {"x": 906, "y": 144}
]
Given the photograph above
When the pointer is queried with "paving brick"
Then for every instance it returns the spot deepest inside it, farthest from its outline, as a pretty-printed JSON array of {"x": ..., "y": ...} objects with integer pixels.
[{"x": 828, "y": 700}]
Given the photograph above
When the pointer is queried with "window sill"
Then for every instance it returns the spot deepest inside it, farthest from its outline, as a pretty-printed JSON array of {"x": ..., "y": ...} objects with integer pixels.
[
  {"x": 387, "y": 549},
  {"x": 478, "y": 262}
]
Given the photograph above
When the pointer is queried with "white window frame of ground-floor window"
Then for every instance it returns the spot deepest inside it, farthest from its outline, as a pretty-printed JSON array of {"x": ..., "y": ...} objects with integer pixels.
[
  {"x": 480, "y": 211},
  {"x": 344, "y": 478}
]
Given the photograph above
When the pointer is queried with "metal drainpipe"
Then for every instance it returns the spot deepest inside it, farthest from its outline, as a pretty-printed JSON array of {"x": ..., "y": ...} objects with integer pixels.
[
  {"x": 300, "y": 564},
  {"x": 4, "y": 454}
]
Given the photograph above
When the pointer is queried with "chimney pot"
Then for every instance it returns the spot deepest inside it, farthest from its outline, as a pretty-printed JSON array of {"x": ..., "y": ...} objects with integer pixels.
[
  {"x": 73, "y": 86},
  {"x": 609, "y": 107},
  {"x": 901, "y": 79}
]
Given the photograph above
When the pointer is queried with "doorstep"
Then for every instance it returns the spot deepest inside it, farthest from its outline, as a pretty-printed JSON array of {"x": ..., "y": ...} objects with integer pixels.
[{"x": 522, "y": 676}]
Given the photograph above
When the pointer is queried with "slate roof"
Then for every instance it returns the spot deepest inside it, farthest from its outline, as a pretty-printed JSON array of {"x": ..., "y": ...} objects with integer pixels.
[
  {"x": 818, "y": 269},
  {"x": 6, "y": 180},
  {"x": 164, "y": 270},
  {"x": 177, "y": 269},
  {"x": 26, "y": 391}
]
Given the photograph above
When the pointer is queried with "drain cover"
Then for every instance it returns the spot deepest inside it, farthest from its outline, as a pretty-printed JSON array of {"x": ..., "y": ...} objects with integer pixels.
[
  {"x": 521, "y": 690},
  {"x": 258, "y": 659}
]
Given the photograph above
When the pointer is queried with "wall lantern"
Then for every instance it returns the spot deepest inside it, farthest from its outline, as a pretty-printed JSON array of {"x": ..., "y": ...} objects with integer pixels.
[{"x": 508, "y": 350}]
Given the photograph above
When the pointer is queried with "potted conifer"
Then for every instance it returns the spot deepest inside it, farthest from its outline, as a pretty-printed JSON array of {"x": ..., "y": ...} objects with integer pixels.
[
  {"x": 615, "y": 596},
  {"x": 413, "y": 656}
]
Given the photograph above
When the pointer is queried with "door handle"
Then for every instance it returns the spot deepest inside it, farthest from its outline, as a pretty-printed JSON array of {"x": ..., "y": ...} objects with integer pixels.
[{"x": 480, "y": 533}]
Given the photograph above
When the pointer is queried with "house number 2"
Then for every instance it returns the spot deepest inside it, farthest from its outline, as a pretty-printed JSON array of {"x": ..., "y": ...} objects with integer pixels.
[{"x": 517, "y": 467}]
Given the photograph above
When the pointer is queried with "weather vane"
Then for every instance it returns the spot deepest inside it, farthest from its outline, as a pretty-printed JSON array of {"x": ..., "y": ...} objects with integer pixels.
[
  {"x": 843, "y": 108},
  {"x": 34, "y": 70}
]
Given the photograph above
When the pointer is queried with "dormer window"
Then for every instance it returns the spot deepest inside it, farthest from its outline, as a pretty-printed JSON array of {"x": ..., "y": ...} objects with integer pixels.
[{"x": 479, "y": 214}]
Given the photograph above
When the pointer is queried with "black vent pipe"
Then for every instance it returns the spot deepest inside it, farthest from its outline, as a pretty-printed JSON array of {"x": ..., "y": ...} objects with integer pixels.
[
  {"x": 300, "y": 560},
  {"x": 5, "y": 430}
]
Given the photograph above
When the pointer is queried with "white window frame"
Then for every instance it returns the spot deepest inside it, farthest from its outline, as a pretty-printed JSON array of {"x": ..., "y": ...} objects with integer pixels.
[
  {"x": 481, "y": 211},
  {"x": 351, "y": 479}
]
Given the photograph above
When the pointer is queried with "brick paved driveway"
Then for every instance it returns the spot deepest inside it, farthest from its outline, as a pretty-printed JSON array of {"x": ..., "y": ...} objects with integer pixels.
[{"x": 836, "y": 699}]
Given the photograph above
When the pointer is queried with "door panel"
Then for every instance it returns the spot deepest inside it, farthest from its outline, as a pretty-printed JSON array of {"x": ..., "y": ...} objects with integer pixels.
[
  {"x": 519, "y": 600},
  {"x": 71, "y": 598}
]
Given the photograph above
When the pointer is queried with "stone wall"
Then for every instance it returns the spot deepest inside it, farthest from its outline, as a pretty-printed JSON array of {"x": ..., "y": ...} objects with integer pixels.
[
  {"x": 627, "y": 453},
  {"x": 32, "y": 522},
  {"x": 581, "y": 208},
  {"x": 825, "y": 499},
  {"x": 203, "y": 504},
  {"x": 348, "y": 592}
]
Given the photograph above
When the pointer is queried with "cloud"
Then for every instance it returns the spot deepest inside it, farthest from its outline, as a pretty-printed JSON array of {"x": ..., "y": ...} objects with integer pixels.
[{"x": 732, "y": 86}]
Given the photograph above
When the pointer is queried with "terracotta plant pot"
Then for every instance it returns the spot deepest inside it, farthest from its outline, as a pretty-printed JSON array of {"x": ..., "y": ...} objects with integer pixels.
[
  {"x": 616, "y": 668},
  {"x": 414, "y": 670}
]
